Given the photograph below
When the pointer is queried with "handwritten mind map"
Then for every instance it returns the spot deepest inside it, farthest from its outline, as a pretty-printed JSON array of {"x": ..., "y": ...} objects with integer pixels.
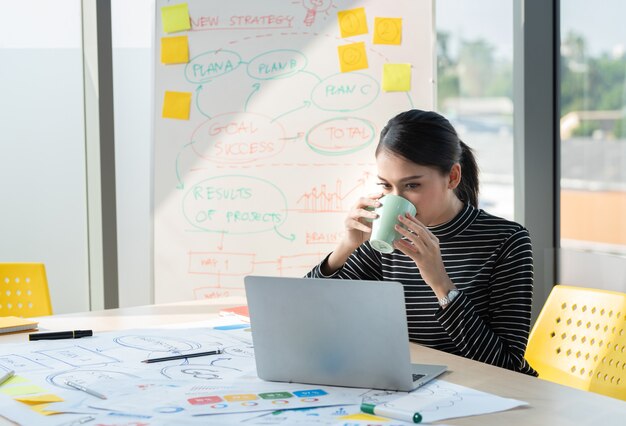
[
  {"x": 110, "y": 364},
  {"x": 177, "y": 391},
  {"x": 113, "y": 356},
  {"x": 274, "y": 131}
]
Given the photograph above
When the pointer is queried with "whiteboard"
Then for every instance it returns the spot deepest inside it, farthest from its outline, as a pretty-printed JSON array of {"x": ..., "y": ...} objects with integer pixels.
[{"x": 279, "y": 142}]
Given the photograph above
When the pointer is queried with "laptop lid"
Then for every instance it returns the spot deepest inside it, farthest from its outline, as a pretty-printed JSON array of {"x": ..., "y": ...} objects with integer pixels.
[{"x": 333, "y": 332}]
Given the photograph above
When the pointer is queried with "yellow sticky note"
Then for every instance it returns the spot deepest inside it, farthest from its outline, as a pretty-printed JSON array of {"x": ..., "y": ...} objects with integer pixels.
[
  {"x": 396, "y": 77},
  {"x": 15, "y": 380},
  {"x": 352, "y": 22},
  {"x": 38, "y": 399},
  {"x": 21, "y": 390},
  {"x": 352, "y": 57},
  {"x": 42, "y": 409},
  {"x": 387, "y": 30},
  {"x": 40, "y": 403},
  {"x": 177, "y": 105},
  {"x": 364, "y": 417},
  {"x": 175, "y": 18},
  {"x": 175, "y": 50}
]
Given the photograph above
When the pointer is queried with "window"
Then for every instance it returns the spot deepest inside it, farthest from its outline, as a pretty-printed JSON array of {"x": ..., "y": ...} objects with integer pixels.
[
  {"x": 475, "y": 89},
  {"x": 593, "y": 135}
]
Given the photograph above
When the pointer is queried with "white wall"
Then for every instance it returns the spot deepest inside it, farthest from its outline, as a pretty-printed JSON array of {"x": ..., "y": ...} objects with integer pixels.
[
  {"x": 42, "y": 145},
  {"x": 42, "y": 150}
]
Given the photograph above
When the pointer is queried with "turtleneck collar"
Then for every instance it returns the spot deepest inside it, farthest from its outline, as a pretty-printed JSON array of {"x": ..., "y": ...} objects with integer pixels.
[{"x": 453, "y": 227}]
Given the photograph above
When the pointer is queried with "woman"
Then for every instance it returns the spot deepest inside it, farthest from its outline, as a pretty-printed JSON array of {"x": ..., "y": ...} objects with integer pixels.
[{"x": 467, "y": 275}]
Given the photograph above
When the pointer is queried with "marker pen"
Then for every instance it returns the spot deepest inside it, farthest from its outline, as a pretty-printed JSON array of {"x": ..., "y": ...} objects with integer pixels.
[
  {"x": 392, "y": 413},
  {"x": 72, "y": 334},
  {"x": 84, "y": 389}
]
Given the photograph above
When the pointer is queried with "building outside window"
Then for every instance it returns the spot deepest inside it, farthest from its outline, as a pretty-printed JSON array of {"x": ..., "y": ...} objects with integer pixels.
[
  {"x": 475, "y": 89},
  {"x": 593, "y": 127}
]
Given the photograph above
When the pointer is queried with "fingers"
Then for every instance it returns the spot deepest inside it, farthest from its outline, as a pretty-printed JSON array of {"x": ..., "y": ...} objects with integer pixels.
[
  {"x": 415, "y": 242},
  {"x": 364, "y": 208},
  {"x": 362, "y": 214},
  {"x": 413, "y": 224},
  {"x": 407, "y": 248},
  {"x": 369, "y": 201},
  {"x": 356, "y": 224}
]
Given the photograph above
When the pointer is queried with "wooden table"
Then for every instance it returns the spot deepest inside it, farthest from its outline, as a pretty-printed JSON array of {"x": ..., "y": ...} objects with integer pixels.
[{"x": 549, "y": 403}]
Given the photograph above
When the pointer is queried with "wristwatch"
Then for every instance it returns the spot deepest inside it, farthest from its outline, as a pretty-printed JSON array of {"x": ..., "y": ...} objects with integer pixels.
[{"x": 447, "y": 299}]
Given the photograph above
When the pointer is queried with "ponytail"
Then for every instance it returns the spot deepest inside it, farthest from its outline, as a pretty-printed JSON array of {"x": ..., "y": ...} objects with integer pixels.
[{"x": 467, "y": 190}]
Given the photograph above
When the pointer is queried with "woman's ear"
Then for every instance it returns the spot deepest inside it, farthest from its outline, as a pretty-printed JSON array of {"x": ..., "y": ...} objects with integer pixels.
[{"x": 454, "y": 177}]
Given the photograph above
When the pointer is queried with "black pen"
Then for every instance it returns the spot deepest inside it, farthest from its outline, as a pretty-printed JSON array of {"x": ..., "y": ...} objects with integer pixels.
[
  {"x": 170, "y": 358},
  {"x": 72, "y": 334}
]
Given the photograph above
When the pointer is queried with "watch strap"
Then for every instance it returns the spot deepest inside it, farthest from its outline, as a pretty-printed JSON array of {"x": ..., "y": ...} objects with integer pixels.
[{"x": 448, "y": 298}]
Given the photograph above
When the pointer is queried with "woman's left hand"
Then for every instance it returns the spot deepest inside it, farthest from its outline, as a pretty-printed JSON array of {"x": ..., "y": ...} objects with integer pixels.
[{"x": 422, "y": 246}]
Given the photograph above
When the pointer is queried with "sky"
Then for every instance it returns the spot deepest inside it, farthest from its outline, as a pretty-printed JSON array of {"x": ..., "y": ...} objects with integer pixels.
[
  {"x": 468, "y": 20},
  {"x": 601, "y": 22}
]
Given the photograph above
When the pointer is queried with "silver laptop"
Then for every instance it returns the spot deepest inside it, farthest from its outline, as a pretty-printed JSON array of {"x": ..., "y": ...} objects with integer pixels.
[{"x": 333, "y": 332}]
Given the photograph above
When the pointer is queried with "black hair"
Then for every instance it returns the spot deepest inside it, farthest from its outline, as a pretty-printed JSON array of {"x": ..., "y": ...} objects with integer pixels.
[{"x": 428, "y": 139}]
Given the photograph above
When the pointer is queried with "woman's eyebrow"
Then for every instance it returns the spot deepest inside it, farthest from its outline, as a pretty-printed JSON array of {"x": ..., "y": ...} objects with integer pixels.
[
  {"x": 414, "y": 177},
  {"x": 404, "y": 179}
]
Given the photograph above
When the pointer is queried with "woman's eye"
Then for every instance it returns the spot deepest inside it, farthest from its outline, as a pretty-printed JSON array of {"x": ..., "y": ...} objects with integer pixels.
[
  {"x": 412, "y": 185},
  {"x": 384, "y": 185}
]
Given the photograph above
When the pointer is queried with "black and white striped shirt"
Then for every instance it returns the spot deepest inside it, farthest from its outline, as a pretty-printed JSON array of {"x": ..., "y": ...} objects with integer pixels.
[{"x": 489, "y": 259}]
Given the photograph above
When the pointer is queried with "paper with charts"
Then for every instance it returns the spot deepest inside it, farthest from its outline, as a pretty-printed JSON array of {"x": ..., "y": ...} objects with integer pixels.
[
  {"x": 110, "y": 363},
  {"x": 223, "y": 387},
  {"x": 265, "y": 137}
]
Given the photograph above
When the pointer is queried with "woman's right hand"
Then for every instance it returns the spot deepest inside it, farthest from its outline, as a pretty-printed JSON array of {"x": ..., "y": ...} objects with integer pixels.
[
  {"x": 358, "y": 224},
  {"x": 358, "y": 227}
]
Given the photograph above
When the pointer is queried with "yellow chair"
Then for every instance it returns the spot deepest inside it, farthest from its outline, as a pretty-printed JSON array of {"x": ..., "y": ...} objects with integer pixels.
[
  {"x": 24, "y": 290},
  {"x": 579, "y": 340}
]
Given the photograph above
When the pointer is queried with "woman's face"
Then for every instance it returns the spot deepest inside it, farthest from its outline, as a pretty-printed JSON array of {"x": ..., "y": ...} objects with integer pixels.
[{"x": 430, "y": 191}]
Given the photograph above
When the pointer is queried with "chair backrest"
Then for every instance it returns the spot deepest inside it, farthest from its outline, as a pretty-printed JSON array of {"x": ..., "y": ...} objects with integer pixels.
[
  {"x": 579, "y": 340},
  {"x": 24, "y": 290}
]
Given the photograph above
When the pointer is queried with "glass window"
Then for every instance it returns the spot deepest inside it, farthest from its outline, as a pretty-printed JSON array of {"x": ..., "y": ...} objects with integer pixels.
[
  {"x": 593, "y": 126},
  {"x": 475, "y": 89}
]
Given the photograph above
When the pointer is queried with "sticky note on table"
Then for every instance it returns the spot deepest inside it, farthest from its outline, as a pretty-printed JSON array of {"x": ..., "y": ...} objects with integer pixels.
[
  {"x": 352, "y": 57},
  {"x": 15, "y": 380},
  {"x": 39, "y": 399},
  {"x": 396, "y": 77},
  {"x": 43, "y": 410},
  {"x": 175, "y": 50},
  {"x": 387, "y": 30},
  {"x": 352, "y": 22},
  {"x": 362, "y": 417},
  {"x": 175, "y": 18},
  {"x": 177, "y": 105},
  {"x": 21, "y": 390},
  {"x": 40, "y": 403}
]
